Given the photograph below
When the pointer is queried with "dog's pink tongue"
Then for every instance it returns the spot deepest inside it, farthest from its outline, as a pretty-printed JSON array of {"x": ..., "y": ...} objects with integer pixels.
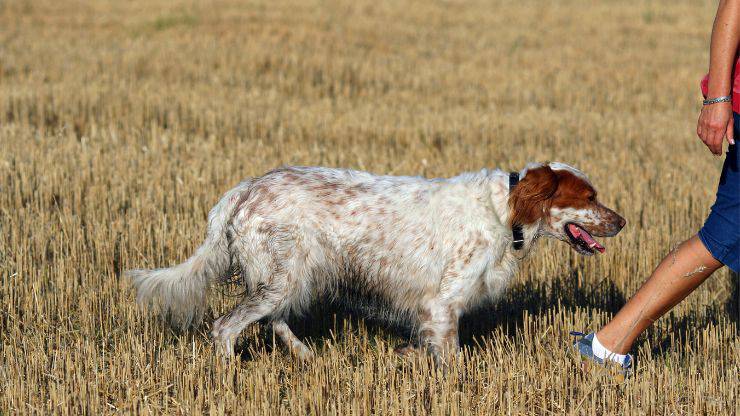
[{"x": 581, "y": 234}]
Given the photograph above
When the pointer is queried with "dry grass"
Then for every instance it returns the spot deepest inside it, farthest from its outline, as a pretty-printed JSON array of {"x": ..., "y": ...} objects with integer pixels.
[{"x": 121, "y": 123}]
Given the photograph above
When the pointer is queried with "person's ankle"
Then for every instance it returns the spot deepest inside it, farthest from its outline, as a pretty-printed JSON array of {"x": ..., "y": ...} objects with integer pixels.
[
  {"x": 605, "y": 353},
  {"x": 613, "y": 344}
]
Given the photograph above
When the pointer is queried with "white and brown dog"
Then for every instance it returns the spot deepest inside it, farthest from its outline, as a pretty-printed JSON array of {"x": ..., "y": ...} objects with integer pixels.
[{"x": 431, "y": 248}]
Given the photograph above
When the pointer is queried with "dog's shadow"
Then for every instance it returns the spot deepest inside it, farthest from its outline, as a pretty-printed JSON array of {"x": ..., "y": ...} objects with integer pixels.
[
  {"x": 537, "y": 298},
  {"x": 327, "y": 319}
]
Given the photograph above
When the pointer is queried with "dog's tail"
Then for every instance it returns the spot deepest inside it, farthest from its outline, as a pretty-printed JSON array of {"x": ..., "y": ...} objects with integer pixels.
[{"x": 180, "y": 291}]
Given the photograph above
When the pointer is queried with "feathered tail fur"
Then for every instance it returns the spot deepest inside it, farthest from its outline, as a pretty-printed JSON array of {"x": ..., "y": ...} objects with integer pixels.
[{"x": 180, "y": 291}]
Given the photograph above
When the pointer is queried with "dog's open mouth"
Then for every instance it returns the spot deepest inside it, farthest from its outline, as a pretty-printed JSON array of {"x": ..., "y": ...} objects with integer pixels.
[{"x": 581, "y": 240}]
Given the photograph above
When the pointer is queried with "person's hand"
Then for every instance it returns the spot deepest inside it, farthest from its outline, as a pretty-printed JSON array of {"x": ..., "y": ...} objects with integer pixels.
[{"x": 715, "y": 123}]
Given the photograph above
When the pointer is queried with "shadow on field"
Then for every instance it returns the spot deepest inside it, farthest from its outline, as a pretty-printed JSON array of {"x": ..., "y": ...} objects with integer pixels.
[
  {"x": 331, "y": 319},
  {"x": 733, "y": 303},
  {"x": 536, "y": 298}
]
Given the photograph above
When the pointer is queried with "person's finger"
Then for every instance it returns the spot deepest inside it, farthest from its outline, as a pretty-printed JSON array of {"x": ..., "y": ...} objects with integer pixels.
[
  {"x": 706, "y": 135},
  {"x": 709, "y": 137},
  {"x": 730, "y": 131},
  {"x": 715, "y": 141},
  {"x": 700, "y": 129}
]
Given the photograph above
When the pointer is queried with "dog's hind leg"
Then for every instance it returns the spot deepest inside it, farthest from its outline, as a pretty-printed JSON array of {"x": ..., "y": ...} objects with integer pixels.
[
  {"x": 275, "y": 270},
  {"x": 228, "y": 327},
  {"x": 294, "y": 345}
]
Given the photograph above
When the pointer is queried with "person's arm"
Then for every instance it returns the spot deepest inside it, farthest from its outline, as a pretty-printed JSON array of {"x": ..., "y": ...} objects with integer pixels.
[{"x": 715, "y": 121}]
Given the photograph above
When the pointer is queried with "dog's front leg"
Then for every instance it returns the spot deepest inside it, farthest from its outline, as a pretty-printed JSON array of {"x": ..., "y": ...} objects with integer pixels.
[
  {"x": 439, "y": 316},
  {"x": 438, "y": 329}
]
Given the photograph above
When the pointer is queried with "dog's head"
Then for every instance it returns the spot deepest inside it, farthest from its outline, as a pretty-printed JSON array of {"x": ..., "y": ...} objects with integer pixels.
[{"x": 561, "y": 201}]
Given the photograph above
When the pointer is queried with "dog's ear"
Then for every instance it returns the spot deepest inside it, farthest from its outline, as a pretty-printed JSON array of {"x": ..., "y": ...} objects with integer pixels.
[{"x": 531, "y": 198}]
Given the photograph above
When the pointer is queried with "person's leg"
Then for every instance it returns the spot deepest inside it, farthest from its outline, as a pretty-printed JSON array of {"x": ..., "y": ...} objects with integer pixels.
[{"x": 680, "y": 272}]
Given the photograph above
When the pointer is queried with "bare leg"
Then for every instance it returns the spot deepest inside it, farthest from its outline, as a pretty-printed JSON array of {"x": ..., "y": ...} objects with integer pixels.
[
  {"x": 295, "y": 346},
  {"x": 682, "y": 271}
]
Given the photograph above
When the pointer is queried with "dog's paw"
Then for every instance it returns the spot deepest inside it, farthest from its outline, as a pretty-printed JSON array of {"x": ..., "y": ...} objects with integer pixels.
[{"x": 405, "y": 350}]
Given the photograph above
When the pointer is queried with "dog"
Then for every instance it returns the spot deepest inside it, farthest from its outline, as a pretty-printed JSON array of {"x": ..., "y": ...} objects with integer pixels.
[{"x": 431, "y": 248}]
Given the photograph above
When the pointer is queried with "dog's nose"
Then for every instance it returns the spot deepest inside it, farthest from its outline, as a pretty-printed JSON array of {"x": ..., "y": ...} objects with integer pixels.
[{"x": 621, "y": 222}]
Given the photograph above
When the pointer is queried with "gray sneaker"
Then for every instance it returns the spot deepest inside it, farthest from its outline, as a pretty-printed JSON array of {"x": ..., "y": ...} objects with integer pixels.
[{"x": 584, "y": 348}]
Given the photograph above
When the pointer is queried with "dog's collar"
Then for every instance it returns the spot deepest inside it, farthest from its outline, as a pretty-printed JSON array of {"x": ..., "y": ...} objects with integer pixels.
[{"x": 516, "y": 229}]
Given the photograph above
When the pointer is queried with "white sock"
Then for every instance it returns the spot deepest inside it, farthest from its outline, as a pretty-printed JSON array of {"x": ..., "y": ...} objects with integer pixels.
[{"x": 603, "y": 353}]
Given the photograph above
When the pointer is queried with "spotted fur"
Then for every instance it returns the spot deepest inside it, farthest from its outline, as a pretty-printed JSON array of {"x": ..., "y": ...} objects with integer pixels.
[{"x": 431, "y": 248}]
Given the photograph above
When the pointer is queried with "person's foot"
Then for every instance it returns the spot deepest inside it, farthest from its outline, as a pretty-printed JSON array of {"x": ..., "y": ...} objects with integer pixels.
[{"x": 585, "y": 346}]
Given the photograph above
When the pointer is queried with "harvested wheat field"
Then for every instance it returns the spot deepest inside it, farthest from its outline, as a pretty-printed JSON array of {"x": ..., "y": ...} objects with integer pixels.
[{"x": 122, "y": 123}]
